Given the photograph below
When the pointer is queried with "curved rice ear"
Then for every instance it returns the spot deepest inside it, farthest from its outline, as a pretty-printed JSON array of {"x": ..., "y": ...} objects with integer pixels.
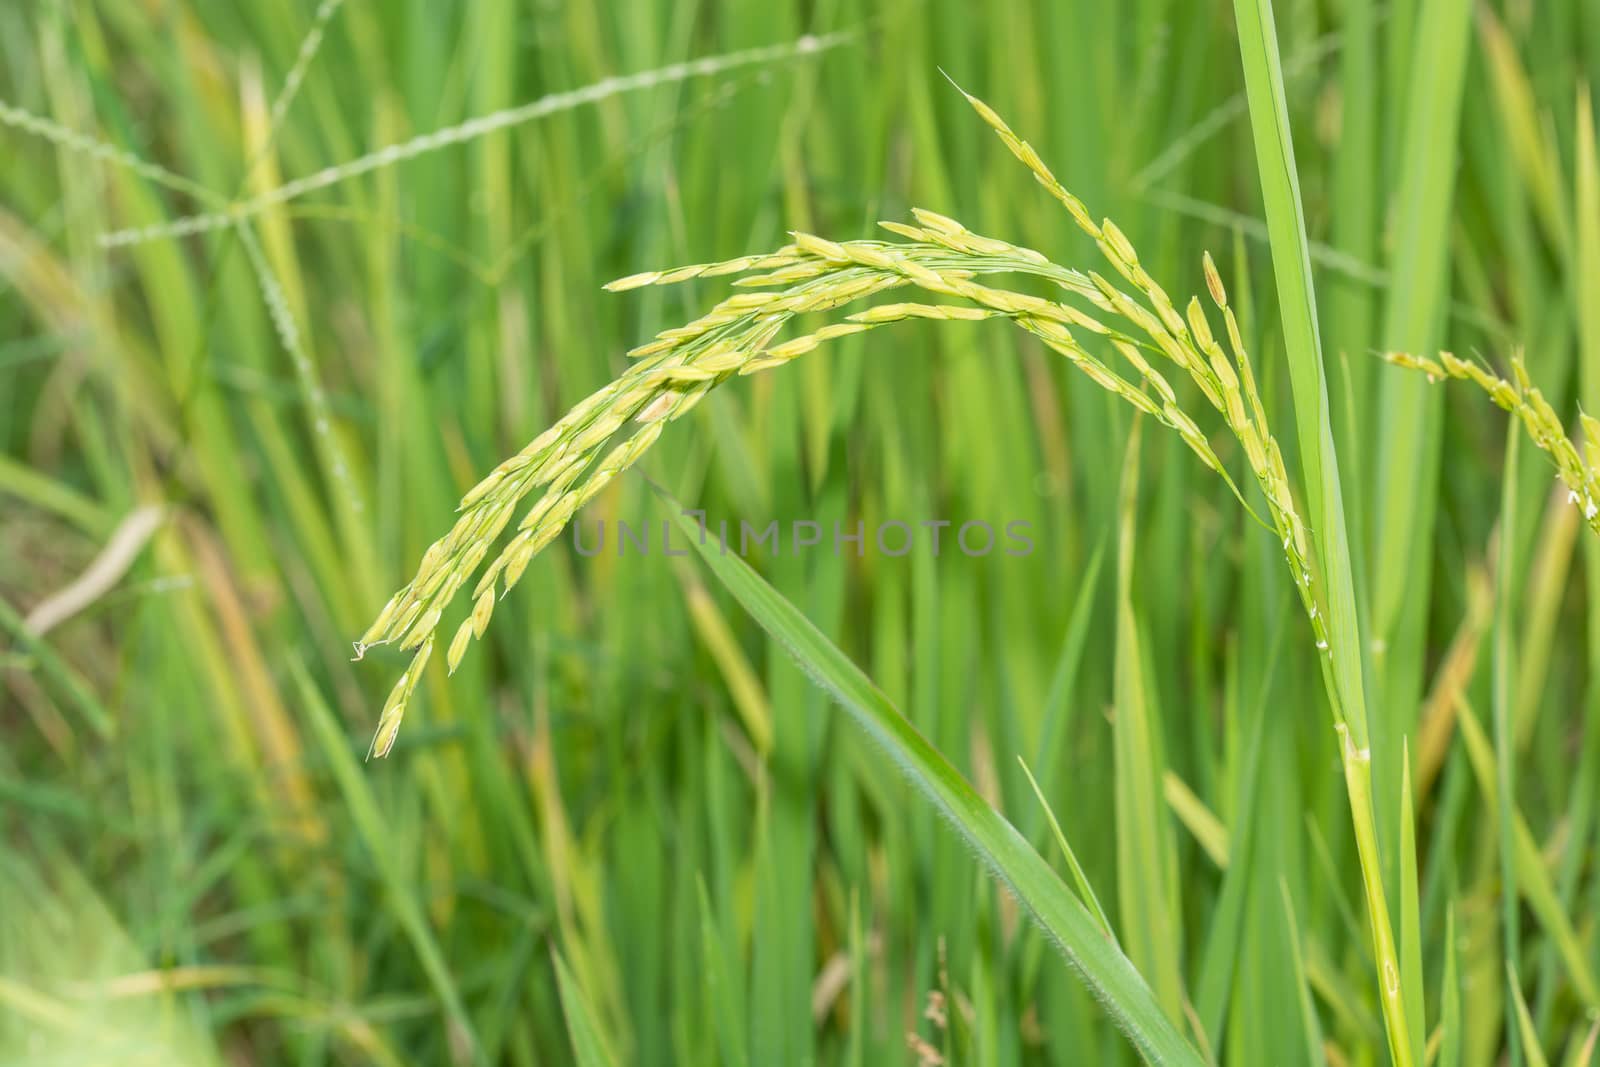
[
  {"x": 1578, "y": 471},
  {"x": 676, "y": 370}
]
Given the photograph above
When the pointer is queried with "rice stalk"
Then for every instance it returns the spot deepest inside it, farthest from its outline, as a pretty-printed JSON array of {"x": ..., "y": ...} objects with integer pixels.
[
  {"x": 309, "y": 46},
  {"x": 311, "y": 389},
  {"x": 75, "y": 141},
  {"x": 812, "y": 274},
  {"x": 81, "y": 143},
  {"x": 461, "y": 133}
]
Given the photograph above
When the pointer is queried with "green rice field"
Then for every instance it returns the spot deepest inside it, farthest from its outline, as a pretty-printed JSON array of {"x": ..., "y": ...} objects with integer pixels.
[{"x": 505, "y": 560}]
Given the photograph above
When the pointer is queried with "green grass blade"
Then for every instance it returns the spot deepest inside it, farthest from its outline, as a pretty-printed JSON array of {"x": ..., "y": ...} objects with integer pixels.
[
  {"x": 1449, "y": 1000},
  {"x": 1504, "y": 754},
  {"x": 1583, "y": 1054},
  {"x": 1530, "y": 877},
  {"x": 723, "y": 997},
  {"x": 51, "y": 495},
  {"x": 1201, "y": 822},
  {"x": 1056, "y": 716},
  {"x": 1358, "y": 787},
  {"x": 1286, "y": 226},
  {"x": 56, "y": 670},
  {"x": 1079, "y": 878},
  {"x": 1146, "y": 894},
  {"x": 1315, "y": 1056},
  {"x": 1291, "y": 263},
  {"x": 1409, "y": 422},
  {"x": 1416, "y": 298},
  {"x": 1063, "y": 918},
  {"x": 1528, "y": 1037},
  {"x": 1410, "y": 912},
  {"x": 588, "y": 1044},
  {"x": 378, "y": 837},
  {"x": 1219, "y": 959}
]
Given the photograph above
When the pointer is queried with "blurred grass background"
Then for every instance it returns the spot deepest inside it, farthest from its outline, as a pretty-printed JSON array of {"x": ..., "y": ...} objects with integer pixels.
[{"x": 196, "y": 866}]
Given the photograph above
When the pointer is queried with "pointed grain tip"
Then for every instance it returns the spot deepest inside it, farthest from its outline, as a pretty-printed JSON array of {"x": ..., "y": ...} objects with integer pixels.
[
  {"x": 1219, "y": 295},
  {"x": 381, "y": 744},
  {"x": 632, "y": 281}
]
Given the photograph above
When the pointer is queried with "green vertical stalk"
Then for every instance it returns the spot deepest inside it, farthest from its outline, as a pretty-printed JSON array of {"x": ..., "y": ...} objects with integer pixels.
[
  {"x": 1410, "y": 414},
  {"x": 1355, "y": 221},
  {"x": 1504, "y": 752},
  {"x": 1269, "y": 122},
  {"x": 1145, "y": 889},
  {"x": 1291, "y": 262}
]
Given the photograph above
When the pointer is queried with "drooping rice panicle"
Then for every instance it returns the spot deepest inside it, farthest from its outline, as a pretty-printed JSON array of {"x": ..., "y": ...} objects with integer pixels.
[
  {"x": 738, "y": 336},
  {"x": 1578, "y": 471}
]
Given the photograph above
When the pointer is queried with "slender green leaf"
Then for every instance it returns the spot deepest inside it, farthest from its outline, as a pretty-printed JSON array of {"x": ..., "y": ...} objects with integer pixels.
[
  {"x": 1147, "y": 907},
  {"x": 378, "y": 836},
  {"x": 1530, "y": 876},
  {"x": 1316, "y": 1056},
  {"x": 1280, "y": 188},
  {"x": 1449, "y": 1000},
  {"x": 1504, "y": 753},
  {"x": 588, "y": 1042},
  {"x": 1410, "y": 912},
  {"x": 1063, "y": 918},
  {"x": 1527, "y": 1035},
  {"x": 1079, "y": 879}
]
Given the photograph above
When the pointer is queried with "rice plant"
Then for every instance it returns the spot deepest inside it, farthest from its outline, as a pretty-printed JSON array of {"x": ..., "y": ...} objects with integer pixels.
[
  {"x": 939, "y": 257},
  {"x": 1278, "y": 744}
]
